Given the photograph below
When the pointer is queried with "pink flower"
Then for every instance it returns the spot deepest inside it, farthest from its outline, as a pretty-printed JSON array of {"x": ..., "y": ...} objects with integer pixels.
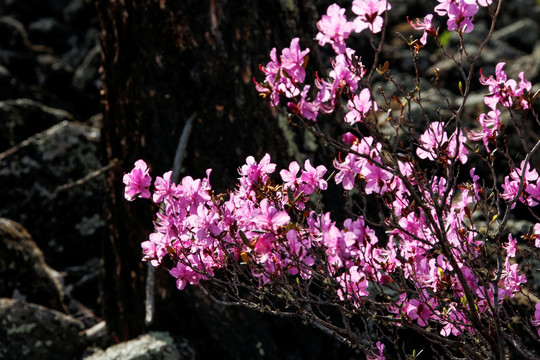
[
  {"x": 272, "y": 72},
  {"x": 349, "y": 138},
  {"x": 451, "y": 320},
  {"x": 162, "y": 187},
  {"x": 426, "y": 25},
  {"x": 377, "y": 179},
  {"x": 312, "y": 178},
  {"x": 535, "y": 321},
  {"x": 524, "y": 87},
  {"x": 155, "y": 248},
  {"x": 533, "y": 190},
  {"x": 536, "y": 231},
  {"x": 292, "y": 60},
  {"x": 510, "y": 247},
  {"x": 380, "y": 355},
  {"x": 308, "y": 109},
  {"x": 442, "y": 8},
  {"x": 347, "y": 171},
  {"x": 456, "y": 147},
  {"x": 369, "y": 14},
  {"x": 334, "y": 28},
  {"x": 185, "y": 274},
  {"x": 418, "y": 311},
  {"x": 353, "y": 285},
  {"x": 283, "y": 74},
  {"x": 343, "y": 72},
  {"x": 359, "y": 106},
  {"x": 431, "y": 141},
  {"x": 512, "y": 182},
  {"x": 511, "y": 188},
  {"x": 511, "y": 280},
  {"x": 484, "y": 3},
  {"x": 298, "y": 248},
  {"x": 137, "y": 182},
  {"x": 460, "y": 15},
  {"x": 254, "y": 172},
  {"x": 269, "y": 218},
  {"x": 289, "y": 178},
  {"x": 490, "y": 127},
  {"x": 505, "y": 91}
]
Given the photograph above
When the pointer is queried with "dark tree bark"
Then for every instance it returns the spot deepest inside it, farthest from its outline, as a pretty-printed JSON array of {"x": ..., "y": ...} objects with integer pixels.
[{"x": 163, "y": 61}]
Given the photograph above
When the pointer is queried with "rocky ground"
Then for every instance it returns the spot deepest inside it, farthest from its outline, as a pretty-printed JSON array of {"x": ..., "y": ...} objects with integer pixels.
[{"x": 51, "y": 175}]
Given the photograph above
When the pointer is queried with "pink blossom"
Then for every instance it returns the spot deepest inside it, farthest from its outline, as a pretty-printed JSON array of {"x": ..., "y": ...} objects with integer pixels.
[
  {"x": 298, "y": 248},
  {"x": 155, "y": 248},
  {"x": 137, "y": 182},
  {"x": 456, "y": 147},
  {"x": 334, "y": 28},
  {"x": 283, "y": 74},
  {"x": 347, "y": 171},
  {"x": 345, "y": 73},
  {"x": 268, "y": 217},
  {"x": 535, "y": 321},
  {"x": 359, "y": 106},
  {"x": 353, "y": 285},
  {"x": 185, "y": 274},
  {"x": 524, "y": 87},
  {"x": 292, "y": 60},
  {"x": 505, "y": 91},
  {"x": 270, "y": 85},
  {"x": 443, "y": 6},
  {"x": 380, "y": 355},
  {"x": 512, "y": 183},
  {"x": 431, "y": 141},
  {"x": 312, "y": 178},
  {"x": 536, "y": 232},
  {"x": 510, "y": 188},
  {"x": 308, "y": 109},
  {"x": 510, "y": 247},
  {"x": 511, "y": 280},
  {"x": 451, "y": 321},
  {"x": 257, "y": 172},
  {"x": 377, "y": 179},
  {"x": 484, "y": 3},
  {"x": 290, "y": 181},
  {"x": 419, "y": 311},
  {"x": 490, "y": 127},
  {"x": 162, "y": 187},
  {"x": 533, "y": 191},
  {"x": 349, "y": 138},
  {"x": 460, "y": 16},
  {"x": 425, "y": 25},
  {"x": 369, "y": 14}
]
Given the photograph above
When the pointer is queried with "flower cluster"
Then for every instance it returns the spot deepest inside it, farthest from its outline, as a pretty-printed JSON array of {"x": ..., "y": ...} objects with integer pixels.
[
  {"x": 335, "y": 29},
  {"x": 203, "y": 232},
  {"x": 428, "y": 252},
  {"x": 525, "y": 179}
]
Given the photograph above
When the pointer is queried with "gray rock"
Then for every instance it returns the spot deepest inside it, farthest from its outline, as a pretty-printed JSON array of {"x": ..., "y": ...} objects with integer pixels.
[
  {"x": 21, "y": 118},
  {"x": 497, "y": 51},
  {"x": 49, "y": 184},
  {"x": 521, "y": 34},
  {"x": 151, "y": 346},
  {"x": 30, "y": 331},
  {"x": 23, "y": 270},
  {"x": 529, "y": 64}
]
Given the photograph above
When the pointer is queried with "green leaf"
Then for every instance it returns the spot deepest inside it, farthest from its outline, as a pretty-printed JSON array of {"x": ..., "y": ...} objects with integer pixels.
[{"x": 445, "y": 38}]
